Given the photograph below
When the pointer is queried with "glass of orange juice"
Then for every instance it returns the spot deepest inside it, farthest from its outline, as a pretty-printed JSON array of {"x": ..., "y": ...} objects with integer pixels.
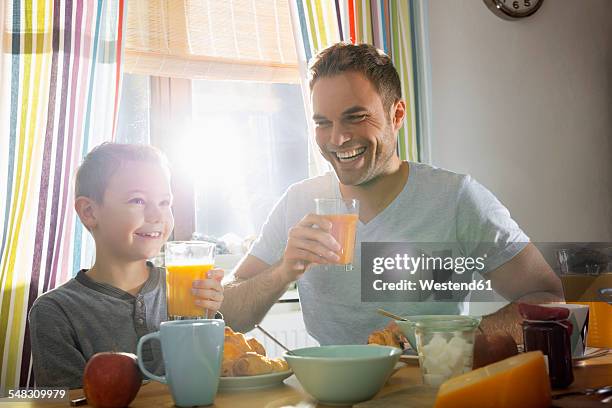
[
  {"x": 586, "y": 274},
  {"x": 186, "y": 261},
  {"x": 344, "y": 215}
]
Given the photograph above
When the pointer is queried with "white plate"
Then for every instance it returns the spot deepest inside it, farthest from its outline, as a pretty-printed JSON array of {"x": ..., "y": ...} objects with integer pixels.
[
  {"x": 253, "y": 382},
  {"x": 592, "y": 352}
]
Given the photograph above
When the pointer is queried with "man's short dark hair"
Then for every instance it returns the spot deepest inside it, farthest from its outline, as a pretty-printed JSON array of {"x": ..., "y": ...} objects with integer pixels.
[
  {"x": 104, "y": 160},
  {"x": 366, "y": 59}
]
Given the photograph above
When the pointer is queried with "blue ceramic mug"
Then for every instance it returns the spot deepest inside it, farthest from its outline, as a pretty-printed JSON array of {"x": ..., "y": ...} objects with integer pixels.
[{"x": 192, "y": 352}]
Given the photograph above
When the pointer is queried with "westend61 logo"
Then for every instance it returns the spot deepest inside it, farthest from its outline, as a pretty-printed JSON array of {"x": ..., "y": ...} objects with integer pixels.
[{"x": 399, "y": 271}]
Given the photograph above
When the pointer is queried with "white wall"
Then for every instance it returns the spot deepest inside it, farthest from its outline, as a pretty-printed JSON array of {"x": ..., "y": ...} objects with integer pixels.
[{"x": 526, "y": 108}]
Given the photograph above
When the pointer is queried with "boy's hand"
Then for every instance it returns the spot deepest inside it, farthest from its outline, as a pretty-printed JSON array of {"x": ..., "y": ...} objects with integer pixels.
[{"x": 209, "y": 292}]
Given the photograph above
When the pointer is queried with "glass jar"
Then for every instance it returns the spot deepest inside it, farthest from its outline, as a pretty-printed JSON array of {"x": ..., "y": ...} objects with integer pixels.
[
  {"x": 553, "y": 340},
  {"x": 445, "y": 347},
  {"x": 586, "y": 274}
]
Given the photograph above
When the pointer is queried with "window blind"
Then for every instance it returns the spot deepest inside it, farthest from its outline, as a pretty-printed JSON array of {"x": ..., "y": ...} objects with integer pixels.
[{"x": 211, "y": 39}]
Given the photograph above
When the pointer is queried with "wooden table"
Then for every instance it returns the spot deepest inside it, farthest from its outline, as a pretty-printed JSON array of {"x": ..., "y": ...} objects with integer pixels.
[{"x": 595, "y": 372}]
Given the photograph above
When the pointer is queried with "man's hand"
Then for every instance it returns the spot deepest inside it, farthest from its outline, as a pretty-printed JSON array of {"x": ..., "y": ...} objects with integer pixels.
[
  {"x": 257, "y": 285},
  {"x": 209, "y": 292},
  {"x": 309, "y": 242}
]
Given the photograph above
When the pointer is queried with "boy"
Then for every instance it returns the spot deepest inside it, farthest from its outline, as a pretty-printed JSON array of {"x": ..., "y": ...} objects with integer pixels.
[{"x": 123, "y": 198}]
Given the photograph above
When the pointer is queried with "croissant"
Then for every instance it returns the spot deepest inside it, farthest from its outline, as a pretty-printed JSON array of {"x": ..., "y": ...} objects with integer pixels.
[
  {"x": 256, "y": 346},
  {"x": 279, "y": 364},
  {"x": 384, "y": 337},
  {"x": 231, "y": 351},
  {"x": 239, "y": 341},
  {"x": 252, "y": 364},
  {"x": 244, "y": 357},
  {"x": 226, "y": 368}
]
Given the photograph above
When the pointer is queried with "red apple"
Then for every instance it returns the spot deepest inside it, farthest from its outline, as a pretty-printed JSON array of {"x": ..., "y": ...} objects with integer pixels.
[
  {"x": 111, "y": 380},
  {"x": 490, "y": 348}
]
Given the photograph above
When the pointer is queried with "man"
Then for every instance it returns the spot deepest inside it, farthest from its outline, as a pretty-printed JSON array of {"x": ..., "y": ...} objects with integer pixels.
[{"x": 358, "y": 110}]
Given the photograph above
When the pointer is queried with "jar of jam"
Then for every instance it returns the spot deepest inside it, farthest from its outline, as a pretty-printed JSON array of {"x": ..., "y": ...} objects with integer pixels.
[{"x": 552, "y": 338}]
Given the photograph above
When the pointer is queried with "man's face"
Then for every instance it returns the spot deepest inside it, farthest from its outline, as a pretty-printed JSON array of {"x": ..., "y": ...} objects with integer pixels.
[
  {"x": 353, "y": 130},
  {"x": 135, "y": 218}
]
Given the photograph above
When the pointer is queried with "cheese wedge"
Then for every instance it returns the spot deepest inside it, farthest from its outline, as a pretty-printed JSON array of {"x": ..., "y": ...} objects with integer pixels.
[{"x": 518, "y": 381}]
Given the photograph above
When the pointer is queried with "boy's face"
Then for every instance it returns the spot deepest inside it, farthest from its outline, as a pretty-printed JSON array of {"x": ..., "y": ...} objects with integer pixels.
[{"x": 135, "y": 218}]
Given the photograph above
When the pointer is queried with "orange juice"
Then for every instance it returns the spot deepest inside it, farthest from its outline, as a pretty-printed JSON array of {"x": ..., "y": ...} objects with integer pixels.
[
  {"x": 179, "y": 280},
  {"x": 343, "y": 230},
  {"x": 600, "y": 324},
  {"x": 583, "y": 289}
]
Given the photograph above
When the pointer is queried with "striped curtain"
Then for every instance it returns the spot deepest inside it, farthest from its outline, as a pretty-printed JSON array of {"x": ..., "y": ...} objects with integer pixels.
[
  {"x": 59, "y": 90},
  {"x": 395, "y": 26}
]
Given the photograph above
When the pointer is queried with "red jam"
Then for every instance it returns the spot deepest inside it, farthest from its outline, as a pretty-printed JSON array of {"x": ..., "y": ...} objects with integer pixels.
[{"x": 553, "y": 339}]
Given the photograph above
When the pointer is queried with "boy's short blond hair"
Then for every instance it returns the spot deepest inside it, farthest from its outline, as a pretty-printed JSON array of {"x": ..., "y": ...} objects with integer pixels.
[{"x": 104, "y": 160}]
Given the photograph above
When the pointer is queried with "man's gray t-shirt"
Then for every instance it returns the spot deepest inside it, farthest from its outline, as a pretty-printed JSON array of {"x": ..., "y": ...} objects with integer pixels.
[
  {"x": 82, "y": 317},
  {"x": 435, "y": 205}
]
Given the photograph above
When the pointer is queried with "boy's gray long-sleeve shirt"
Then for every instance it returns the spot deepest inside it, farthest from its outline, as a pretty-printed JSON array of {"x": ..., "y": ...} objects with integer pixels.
[{"x": 70, "y": 324}]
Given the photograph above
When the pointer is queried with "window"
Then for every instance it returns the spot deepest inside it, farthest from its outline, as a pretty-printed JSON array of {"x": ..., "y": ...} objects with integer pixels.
[
  {"x": 253, "y": 138},
  {"x": 215, "y": 85},
  {"x": 245, "y": 143},
  {"x": 133, "y": 123}
]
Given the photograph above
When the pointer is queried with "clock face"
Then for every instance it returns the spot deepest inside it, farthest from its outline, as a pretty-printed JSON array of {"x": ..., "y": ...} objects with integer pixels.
[{"x": 513, "y": 9}]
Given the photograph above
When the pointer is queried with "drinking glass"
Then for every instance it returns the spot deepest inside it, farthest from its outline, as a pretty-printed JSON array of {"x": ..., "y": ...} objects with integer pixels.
[
  {"x": 445, "y": 346},
  {"x": 343, "y": 214},
  {"x": 586, "y": 274},
  {"x": 186, "y": 261}
]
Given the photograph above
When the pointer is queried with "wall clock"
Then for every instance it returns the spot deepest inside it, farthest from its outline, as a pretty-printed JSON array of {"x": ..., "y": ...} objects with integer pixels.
[{"x": 513, "y": 9}]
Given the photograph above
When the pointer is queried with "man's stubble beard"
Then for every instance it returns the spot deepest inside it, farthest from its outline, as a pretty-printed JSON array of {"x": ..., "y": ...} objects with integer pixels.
[{"x": 374, "y": 171}]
